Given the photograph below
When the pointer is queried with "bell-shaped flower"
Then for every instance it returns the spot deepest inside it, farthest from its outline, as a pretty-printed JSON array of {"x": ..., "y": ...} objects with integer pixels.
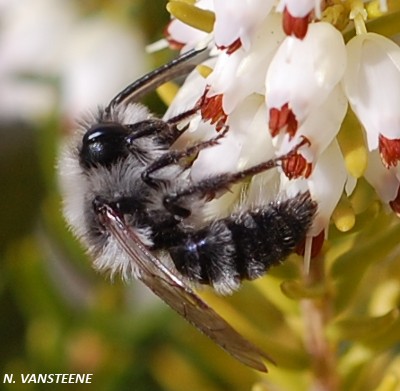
[
  {"x": 386, "y": 182},
  {"x": 302, "y": 75},
  {"x": 319, "y": 129},
  {"x": 278, "y": 95},
  {"x": 326, "y": 184},
  {"x": 244, "y": 144},
  {"x": 242, "y": 73},
  {"x": 189, "y": 93},
  {"x": 372, "y": 85},
  {"x": 181, "y": 36},
  {"x": 236, "y": 21},
  {"x": 188, "y": 96},
  {"x": 184, "y": 37}
]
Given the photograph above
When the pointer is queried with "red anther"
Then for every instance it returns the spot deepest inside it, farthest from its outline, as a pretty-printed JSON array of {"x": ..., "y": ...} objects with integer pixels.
[
  {"x": 316, "y": 245},
  {"x": 296, "y": 166},
  {"x": 389, "y": 151},
  {"x": 278, "y": 119},
  {"x": 274, "y": 121},
  {"x": 295, "y": 26},
  {"x": 235, "y": 45},
  {"x": 304, "y": 142},
  {"x": 395, "y": 203},
  {"x": 211, "y": 109},
  {"x": 291, "y": 124}
]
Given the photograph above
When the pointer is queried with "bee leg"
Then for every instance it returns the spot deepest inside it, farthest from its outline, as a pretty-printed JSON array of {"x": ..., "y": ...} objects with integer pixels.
[
  {"x": 188, "y": 113},
  {"x": 177, "y": 119},
  {"x": 175, "y": 123},
  {"x": 208, "y": 187},
  {"x": 166, "y": 131},
  {"x": 174, "y": 157}
]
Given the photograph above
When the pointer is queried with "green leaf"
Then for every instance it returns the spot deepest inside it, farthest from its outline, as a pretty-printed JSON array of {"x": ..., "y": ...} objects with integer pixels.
[
  {"x": 362, "y": 329},
  {"x": 297, "y": 290},
  {"x": 371, "y": 245}
]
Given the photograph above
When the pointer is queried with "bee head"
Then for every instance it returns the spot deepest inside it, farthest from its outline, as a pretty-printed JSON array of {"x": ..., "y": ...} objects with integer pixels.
[{"x": 103, "y": 144}]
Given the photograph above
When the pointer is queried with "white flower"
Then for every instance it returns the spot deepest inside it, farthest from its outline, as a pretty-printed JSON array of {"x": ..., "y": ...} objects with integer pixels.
[
  {"x": 299, "y": 75},
  {"x": 303, "y": 72},
  {"x": 242, "y": 73},
  {"x": 238, "y": 20},
  {"x": 325, "y": 183},
  {"x": 320, "y": 127},
  {"x": 385, "y": 181},
  {"x": 372, "y": 85},
  {"x": 182, "y": 36},
  {"x": 281, "y": 94},
  {"x": 189, "y": 93},
  {"x": 243, "y": 145}
]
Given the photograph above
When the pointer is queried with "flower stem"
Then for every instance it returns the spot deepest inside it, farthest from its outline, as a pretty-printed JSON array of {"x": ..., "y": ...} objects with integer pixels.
[{"x": 317, "y": 313}]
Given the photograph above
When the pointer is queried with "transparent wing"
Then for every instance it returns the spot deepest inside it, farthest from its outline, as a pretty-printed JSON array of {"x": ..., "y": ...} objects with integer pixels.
[{"x": 179, "y": 296}]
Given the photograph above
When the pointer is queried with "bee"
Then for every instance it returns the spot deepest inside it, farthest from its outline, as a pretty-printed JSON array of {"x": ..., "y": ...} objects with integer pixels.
[{"x": 128, "y": 197}]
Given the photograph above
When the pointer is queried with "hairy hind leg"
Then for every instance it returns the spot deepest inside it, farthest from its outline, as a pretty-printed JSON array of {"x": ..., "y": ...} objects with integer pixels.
[{"x": 207, "y": 187}]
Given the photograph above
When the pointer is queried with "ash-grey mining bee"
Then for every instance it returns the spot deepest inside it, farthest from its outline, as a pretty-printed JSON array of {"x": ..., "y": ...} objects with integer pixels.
[{"x": 129, "y": 198}]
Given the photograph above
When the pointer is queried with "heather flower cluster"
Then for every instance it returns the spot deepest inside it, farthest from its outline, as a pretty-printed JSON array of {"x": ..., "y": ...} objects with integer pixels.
[{"x": 282, "y": 74}]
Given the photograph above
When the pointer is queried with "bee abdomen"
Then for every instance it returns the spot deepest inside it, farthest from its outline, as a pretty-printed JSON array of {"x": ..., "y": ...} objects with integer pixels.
[
  {"x": 264, "y": 237},
  {"x": 246, "y": 245}
]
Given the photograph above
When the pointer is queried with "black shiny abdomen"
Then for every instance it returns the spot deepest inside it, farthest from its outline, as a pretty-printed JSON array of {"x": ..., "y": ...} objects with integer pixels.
[{"x": 244, "y": 246}]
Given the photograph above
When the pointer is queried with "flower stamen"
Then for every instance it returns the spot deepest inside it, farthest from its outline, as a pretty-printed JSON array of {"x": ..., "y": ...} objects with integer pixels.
[
  {"x": 279, "y": 119},
  {"x": 211, "y": 109},
  {"x": 296, "y": 26},
  {"x": 235, "y": 45},
  {"x": 389, "y": 151},
  {"x": 296, "y": 166}
]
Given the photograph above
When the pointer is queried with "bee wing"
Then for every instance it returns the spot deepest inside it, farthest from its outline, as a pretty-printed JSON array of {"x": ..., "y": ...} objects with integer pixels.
[{"x": 179, "y": 296}]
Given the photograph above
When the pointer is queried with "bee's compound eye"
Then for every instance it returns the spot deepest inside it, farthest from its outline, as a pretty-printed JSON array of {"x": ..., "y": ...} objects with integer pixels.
[{"x": 103, "y": 144}]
